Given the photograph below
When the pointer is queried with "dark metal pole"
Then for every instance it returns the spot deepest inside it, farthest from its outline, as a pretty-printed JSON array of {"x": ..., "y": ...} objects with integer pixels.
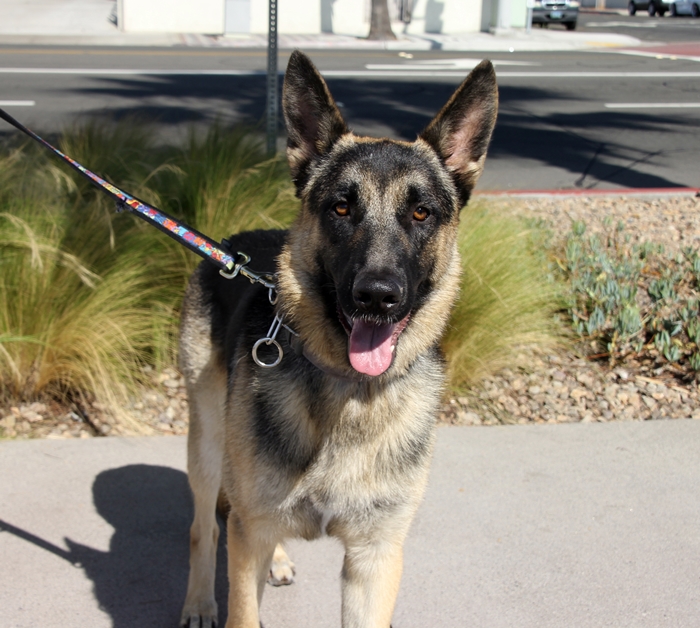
[{"x": 272, "y": 98}]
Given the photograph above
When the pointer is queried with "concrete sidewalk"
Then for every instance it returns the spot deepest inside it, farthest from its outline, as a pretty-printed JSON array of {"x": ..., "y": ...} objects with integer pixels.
[
  {"x": 91, "y": 23},
  {"x": 582, "y": 525}
]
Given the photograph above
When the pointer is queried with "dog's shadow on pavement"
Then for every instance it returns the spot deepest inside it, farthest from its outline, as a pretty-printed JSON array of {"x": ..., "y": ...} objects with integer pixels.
[{"x": 142, "y": 579}]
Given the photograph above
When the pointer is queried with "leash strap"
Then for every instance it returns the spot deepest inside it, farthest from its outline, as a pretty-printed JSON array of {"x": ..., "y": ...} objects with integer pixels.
[{"x": 192, "y": 239}]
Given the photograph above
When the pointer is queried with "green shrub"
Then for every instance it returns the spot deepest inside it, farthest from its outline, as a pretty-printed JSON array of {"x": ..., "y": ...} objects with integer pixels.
[{"x": 633, "y": 301}]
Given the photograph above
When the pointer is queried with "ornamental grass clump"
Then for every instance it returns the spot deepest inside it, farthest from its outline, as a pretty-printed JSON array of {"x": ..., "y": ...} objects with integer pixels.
[
  {"x": 77, "y": 311},
  {"x": 507, "y": 299},
  {"x": 89, "y": 297},
  {"x": 633, "y": 302}
]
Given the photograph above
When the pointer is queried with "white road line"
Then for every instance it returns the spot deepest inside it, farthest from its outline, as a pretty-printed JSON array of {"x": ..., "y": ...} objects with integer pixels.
[
  {"x": 653, "y": 105},
  {"x": 463, "y": 63},
  {"x": 600, "y": 74},
  {"x": 539, "y": 74},
  {"x": 17, "y": 103},
  {"x": 642, "y": 24},
  {"x": 130, "y": 72},
  {"x": 656, "y": 55},
  {"x": 345, "y": 73},
  {"x": 645, "y": 24}
]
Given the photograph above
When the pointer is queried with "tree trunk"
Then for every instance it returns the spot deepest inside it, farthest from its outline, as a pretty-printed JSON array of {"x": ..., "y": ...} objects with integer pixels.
[{"x": 380, "y": 24}]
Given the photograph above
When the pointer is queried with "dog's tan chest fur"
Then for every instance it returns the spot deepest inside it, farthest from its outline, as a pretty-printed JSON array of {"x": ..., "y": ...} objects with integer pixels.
[{"x": 367, "y": 447}]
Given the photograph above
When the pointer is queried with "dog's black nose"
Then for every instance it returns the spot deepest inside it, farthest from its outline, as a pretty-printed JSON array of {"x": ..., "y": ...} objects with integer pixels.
[{"x": 376, "y": 295}]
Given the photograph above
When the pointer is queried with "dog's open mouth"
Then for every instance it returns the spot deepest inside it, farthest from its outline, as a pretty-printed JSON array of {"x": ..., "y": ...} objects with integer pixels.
[{"x": 371, "y": 345}]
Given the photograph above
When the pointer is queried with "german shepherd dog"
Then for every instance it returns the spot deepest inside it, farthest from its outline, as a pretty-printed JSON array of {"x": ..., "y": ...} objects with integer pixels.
[{"x": 337, "y": 438}]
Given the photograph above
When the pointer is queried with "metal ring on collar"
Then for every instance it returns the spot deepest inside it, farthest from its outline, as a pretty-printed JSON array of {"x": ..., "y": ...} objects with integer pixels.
[{"x": 267, "y": 341}]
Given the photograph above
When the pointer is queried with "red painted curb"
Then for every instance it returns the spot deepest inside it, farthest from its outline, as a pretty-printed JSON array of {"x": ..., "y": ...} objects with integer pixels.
[
  {"x": 684, "y": 48},
  {"x": 615, "y": 192}
]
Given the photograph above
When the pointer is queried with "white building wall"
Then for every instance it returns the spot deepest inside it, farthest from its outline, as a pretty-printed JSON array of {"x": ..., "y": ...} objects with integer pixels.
[
  {"x": 295, "y": 17},
  {"x": 518, "y": 13},
  {"x": 346, "y": 17},
  {"x": 461, "y": 16},
  {"x": 172, "y": 16},
  {"x": 445, "y": 16},
  {"x": 508, "y": 14}
]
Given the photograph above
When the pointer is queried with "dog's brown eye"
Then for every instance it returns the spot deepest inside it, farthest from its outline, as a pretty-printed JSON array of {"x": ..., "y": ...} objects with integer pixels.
[
  {"x": 420, "y": 214},
  {"x": 341, "y": 209}
]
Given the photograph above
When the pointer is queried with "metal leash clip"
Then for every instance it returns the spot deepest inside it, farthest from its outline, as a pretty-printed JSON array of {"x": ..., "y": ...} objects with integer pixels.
[
  {"x": 241, "y": 268},
  {"x": 237, "y": 266},
  {"x": 268, "y": 281}
]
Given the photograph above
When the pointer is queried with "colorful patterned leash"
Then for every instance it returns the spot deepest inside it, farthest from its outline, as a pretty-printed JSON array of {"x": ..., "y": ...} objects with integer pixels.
[{"x": 192, "y": 239}]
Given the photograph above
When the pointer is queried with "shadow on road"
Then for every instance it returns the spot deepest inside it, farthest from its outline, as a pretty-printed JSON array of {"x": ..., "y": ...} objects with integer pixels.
[
  {"x": 594, "y": 146},
  {"x": 564, "y": 141},
  {"x": 142, "y": 579}
]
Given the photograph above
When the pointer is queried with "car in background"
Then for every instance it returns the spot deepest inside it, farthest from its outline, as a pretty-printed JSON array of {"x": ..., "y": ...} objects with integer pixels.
[
  {"x": 556, "y": 12},
  {"x": 652, "y": 7},
  {"x": 685, "y": 7}
]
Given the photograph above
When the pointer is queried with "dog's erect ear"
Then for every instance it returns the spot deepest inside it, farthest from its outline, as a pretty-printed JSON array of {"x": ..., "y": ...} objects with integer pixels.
[
  {"x": 461, "y": 132},
  {"x": 313, "y": 120}
]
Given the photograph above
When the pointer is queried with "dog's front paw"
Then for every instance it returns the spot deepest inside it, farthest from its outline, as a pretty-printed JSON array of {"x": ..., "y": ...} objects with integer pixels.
[
  {"x": 205, "y": 616},
  {"x": 198, "y": 621},
  {"x": 281, "y": 569}
]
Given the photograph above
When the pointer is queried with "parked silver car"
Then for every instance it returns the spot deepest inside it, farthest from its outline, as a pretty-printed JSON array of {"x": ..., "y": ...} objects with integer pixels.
[
  {"x": 652, "y": 7},
  {"x": 556, "y": 12},
  {"x": 685, "y": 7}
]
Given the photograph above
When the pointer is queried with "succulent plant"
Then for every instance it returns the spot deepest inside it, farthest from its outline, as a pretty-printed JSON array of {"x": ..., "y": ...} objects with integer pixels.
[{"x": 632, "y": 299}]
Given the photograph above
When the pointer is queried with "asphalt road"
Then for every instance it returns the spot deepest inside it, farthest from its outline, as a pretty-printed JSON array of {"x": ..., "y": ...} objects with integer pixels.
[
  {"x": 649, "y": 29},
  {"x": 567, "y": 120}
]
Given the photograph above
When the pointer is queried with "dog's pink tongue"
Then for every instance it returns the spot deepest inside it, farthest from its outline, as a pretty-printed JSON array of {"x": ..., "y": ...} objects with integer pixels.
[{"x": 370, "y": 347}]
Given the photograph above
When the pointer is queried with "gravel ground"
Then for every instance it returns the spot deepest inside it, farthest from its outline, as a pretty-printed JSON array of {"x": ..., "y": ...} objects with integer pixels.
[
  {"x": 160, "y": 408},
  {"x": 566, "y": 389},
  {"x": 562, "y": 387},
  {"x": 554, "y": 388},
  {"x": 669, "y": 220}
]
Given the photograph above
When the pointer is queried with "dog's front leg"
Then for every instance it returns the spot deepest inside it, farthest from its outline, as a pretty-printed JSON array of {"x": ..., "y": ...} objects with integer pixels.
[
  {"x": 204, "y": 463},
  {"x": 200, "y": 604},
  {"x": 249, "y": 557},
  {"x": 371, "y": 577}
]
